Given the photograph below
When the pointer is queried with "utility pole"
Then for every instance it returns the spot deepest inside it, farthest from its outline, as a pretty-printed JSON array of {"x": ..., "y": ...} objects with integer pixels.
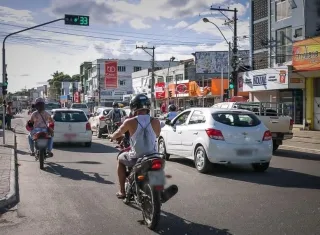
[
  {"x": 153, "y": 100},
  {"x": 233, "y": 80},
  {"x": 99, "y": 86}
]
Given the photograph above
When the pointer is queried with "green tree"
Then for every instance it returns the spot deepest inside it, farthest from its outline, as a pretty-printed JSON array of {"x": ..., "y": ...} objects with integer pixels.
[{"x": 57, "y": 79}]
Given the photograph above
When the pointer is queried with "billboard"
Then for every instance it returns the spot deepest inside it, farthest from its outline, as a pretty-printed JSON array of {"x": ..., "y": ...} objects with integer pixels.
[
  {"x": 160, "y": 90},
  {"x": 111, "y": 74},
  {"x": 306, "y": 55},
  {"x": 213, "y": 62}
]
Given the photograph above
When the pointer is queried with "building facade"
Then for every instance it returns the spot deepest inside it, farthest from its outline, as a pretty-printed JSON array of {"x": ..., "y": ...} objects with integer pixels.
[
  {"x": 275, "y": 26},
  {"x": 97, "y": 84}
]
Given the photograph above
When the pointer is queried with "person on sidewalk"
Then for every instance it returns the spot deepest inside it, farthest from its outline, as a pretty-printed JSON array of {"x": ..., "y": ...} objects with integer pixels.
[
  {"x": 39, "y": 121},
  {"x": 9, "y": 115}
]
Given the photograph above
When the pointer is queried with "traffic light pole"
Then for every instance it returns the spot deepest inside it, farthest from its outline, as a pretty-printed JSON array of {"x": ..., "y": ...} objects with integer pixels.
[{"x": 4, "y": 67}]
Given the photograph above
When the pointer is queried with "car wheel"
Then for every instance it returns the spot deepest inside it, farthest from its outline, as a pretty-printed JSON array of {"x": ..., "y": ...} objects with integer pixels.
[
  {"x": 162, "y": 149},
  {"x": 88, "y": 144},
  {"x": 201, "y": 161},
  {"x": 260, "y": 167},
  {"x": 275, "y": 146},
  {"x": 99, "y": 133}
]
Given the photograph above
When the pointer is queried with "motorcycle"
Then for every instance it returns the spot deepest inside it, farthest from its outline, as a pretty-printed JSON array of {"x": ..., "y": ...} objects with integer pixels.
[
  {"x": 41, "y": 143},
  {"x": 144, "y": 186}
]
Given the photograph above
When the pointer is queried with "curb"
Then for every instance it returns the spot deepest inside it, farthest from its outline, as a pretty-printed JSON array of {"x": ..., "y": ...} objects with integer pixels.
[{"x": 12, "y": 196}]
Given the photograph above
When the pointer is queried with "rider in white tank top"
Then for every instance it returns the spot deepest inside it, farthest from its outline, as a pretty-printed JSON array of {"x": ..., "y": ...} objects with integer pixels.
[{"x": 143, "y": 141}]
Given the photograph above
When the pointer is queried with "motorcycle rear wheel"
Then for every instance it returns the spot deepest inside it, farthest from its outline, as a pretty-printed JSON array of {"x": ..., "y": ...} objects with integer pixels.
[{"x": 153, "y": 218}]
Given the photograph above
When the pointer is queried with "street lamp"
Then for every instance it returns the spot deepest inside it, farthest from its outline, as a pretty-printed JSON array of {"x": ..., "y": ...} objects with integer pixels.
[
  {"x": 206, "y": 20},
  {"x": 171, "y": 60}
]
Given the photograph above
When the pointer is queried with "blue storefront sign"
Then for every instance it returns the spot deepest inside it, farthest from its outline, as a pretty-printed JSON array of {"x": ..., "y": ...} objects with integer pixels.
[{"x": 259, "y": 80}]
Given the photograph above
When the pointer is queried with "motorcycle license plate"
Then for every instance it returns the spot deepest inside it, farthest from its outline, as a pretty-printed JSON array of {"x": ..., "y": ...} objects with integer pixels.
[{"x": 156, "y": 178}]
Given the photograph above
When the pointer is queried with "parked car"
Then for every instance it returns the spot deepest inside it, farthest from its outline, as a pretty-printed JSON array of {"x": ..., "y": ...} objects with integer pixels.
[
  {"x": 221, "y": 136},
  {"x": 98, "y": 120},
  {"x": 271, "y": 114},
  {"x": 71, "y": 126},
  {"x": 50, "y": 106},
  {"x": 83, "y": 107}
]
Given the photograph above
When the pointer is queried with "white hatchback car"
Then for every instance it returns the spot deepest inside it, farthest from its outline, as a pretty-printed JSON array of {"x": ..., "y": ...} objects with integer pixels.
[
  {"x": 211, "y": 135},
  {"x": 71, "y": 126}
]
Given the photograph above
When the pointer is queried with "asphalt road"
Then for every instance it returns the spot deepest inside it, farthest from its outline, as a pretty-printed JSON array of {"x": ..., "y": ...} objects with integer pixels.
[{"x": 76, "y": 195}]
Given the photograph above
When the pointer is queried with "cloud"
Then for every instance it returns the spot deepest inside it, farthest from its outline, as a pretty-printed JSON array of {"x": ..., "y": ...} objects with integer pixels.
[
  {"x": 119, "y": 12},
  {"x": 10, "y": 15},
  {"x": 181, "y": 24},
  {"x": 138, "y": 24},
  {"x": 208, "y": 28}
]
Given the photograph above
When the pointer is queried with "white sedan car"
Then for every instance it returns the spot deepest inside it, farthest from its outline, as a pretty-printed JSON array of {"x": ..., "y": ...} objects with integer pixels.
[
  {"x": 71, "y": 126},
  {"x": 211, "y": 135}
]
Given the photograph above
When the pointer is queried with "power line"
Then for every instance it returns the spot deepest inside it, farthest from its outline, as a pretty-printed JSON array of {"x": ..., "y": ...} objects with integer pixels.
[{"x": 174, "y": 42}]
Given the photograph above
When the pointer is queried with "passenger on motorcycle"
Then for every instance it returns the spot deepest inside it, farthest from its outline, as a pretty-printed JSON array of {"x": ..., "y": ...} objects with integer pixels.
[
  {"x": 40, "y": 120},
  {"x": 172, "y": 112},
  {"x": 143, "y": 130}
]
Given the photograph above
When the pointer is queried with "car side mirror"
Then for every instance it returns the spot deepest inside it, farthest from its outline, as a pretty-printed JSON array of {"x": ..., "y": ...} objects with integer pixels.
[{"x": 168, "y": 122}]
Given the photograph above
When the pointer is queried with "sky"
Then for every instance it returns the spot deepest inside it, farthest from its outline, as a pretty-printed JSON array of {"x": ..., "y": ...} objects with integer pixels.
[{"x": 174, "y": 27}]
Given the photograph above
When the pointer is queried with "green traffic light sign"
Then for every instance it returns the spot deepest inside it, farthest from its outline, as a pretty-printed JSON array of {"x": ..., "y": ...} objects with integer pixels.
[
  {"x": 76, "y": 20},
  {"x": 231, "y": 86}
]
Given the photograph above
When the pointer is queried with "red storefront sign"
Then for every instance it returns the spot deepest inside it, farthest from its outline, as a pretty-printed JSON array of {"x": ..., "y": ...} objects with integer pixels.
[
  {"x": 182, "y": 88},
  {"x": 111, "y": 74},
  {"x": 76, "y": 98},
  {"x": 160, "y": 90}
]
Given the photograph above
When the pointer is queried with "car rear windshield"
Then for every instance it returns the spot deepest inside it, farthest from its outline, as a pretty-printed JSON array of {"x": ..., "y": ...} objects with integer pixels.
[
  {"x": 70, "y": 116},
  {"x": 50, "y": 106},
  {"x": 106, "y": 111},
  {"x": 236, "y": 119},
  {"x": 79, "y": 106}
]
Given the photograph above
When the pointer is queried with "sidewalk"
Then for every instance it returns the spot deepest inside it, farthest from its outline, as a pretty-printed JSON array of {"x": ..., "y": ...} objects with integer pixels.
[
  {"x": 306, "y": 134},
  {"x": 7, "y": 171}
]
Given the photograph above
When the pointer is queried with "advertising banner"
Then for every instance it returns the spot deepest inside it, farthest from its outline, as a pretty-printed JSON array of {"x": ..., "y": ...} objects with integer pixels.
[
  {"x": 111, "y": 74},
  {"x": 182, "y": 89},
  {"x": 160, "y": 90},
  {"x": 76, "y": 97},
  {"x": 306, "y": 55},
  {"x": 213, "y": 62}
]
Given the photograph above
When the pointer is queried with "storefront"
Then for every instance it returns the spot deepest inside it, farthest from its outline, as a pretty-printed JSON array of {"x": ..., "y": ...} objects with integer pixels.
[
  {"x": 306, "y": 65},
  {"x": 191, "y": 94},
  {"x": 275, "y": 85}
]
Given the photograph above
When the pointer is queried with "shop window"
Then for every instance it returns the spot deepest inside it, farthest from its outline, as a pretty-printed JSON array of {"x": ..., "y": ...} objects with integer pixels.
[
  {"x": 169, "y": 79},
  {"x": 136, "y": 69},
  {"x": 298, "y": 33},
  {"x": 284, "y": 45},
  {"x": 122, "y": 82},
  {"x": 160, "y": 79},
  {"x": 283, "y": 9},
  {"x": 179, "y": 77},
  {"x": 121, "y": 68}
]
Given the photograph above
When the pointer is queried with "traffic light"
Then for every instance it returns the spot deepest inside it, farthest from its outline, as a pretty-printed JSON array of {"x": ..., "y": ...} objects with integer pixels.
[
  {"x": 76, "y": 20},
  {"x": 5, "y": 85},
  {"x": 170, "y": 94},
  {"x": 225, "y": 94},
  {"x": 231, "y": 82}
]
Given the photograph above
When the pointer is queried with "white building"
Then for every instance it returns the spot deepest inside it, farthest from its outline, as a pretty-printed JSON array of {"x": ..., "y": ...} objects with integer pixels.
[
  {"x": 124, "y": 86},
  {"x": 176, "y": 74}
]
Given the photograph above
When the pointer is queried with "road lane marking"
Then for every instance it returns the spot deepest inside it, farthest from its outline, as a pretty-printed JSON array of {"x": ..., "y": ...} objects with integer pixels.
[{"x": 294, "y": 147}]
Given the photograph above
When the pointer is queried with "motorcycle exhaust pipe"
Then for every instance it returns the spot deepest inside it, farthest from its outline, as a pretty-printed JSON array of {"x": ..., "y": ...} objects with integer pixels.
[{"x": 168, "y": 193}]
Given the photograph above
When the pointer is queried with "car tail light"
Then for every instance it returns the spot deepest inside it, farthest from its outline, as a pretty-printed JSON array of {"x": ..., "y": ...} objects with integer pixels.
[
  {"x": 215, "y": 134},
  {"x": 156, "y": 164},
  {"x": 291, "y": 124},
  {"x": 267, "y": 136},
  {"x": 88, "y": 127},
  {"x": 102, "y": 118}
]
